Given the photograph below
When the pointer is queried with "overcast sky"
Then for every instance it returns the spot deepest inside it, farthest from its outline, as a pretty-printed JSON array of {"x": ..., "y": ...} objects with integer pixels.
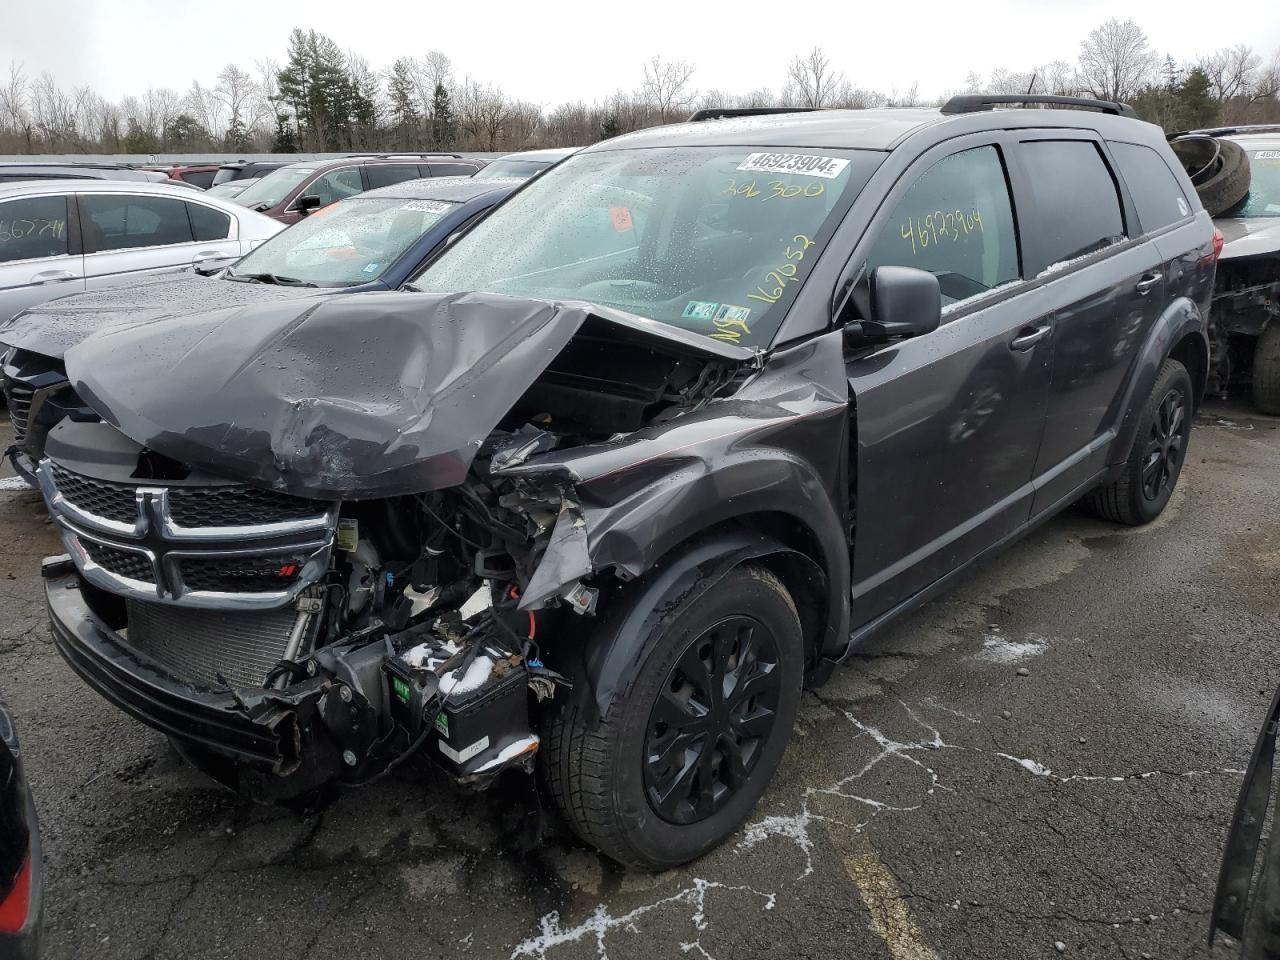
[{"x": 555, "y": 50}]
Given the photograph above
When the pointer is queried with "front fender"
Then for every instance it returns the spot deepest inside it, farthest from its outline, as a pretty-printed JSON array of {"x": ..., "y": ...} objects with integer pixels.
[
  {"x": 611, "y": 658},
  {"x": 1180, "y": 319}
]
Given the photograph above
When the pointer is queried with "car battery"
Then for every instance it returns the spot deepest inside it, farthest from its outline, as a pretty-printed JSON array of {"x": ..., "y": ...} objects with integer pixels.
[{"x": 473, "y": 732}]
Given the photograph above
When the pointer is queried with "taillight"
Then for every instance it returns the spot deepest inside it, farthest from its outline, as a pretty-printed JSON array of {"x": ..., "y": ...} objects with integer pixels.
[
  {"x": 1213, "y": 255},
  {"x": 14, "y": 907}
]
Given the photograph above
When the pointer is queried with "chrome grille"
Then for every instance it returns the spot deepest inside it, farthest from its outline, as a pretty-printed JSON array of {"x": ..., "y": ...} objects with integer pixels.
[
  {"x": 236, "y": 506},
  {"x": 200, "y": 645},
  {"x": 18, "y": 397},
  {"x": 123, "y": 563},
  {"x": 112, "y": 501}
]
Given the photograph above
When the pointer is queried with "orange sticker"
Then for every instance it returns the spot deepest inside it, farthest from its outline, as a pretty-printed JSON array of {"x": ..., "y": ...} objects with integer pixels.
[{"x": 621, "y": 218}]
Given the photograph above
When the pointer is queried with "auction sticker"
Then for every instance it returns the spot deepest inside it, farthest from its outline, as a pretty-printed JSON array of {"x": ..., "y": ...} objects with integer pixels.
[
  {"x": 804, "y": 164},
  {"x": 1267, "y": 155},
  {"x": 700, "y": 310},
  {"x": 426, "y": 206}
]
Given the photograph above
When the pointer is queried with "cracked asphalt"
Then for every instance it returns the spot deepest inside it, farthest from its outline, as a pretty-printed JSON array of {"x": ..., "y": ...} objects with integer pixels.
[{"x": 934, "y": 802}]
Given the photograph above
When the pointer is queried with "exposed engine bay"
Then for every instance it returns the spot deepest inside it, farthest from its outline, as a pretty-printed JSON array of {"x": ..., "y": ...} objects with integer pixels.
[{"x": 295, "y": 641}]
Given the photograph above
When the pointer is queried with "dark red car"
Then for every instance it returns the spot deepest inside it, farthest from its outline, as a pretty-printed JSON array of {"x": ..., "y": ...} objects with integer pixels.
[
  {"x": 196, "y": 174},
  {"x": 291, "y": 192},
  {"x": 21, "y": 871}
]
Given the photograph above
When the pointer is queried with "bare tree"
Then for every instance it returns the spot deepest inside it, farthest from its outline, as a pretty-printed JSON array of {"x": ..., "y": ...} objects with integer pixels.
[
  {"x": 666, "y": 87},
  {"x": 812, "y": 80},
  {"x": 240, "y": 101},
  {"x": 1116, "y": 61},
  {"x": 15, "y": 115},
  {"x": 1231, "y": 70},
  {"x": 207, "y": 108}
]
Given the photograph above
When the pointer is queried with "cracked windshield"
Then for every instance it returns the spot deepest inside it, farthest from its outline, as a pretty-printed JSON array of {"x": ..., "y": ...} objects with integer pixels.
[{"x": 714, "y": 241}]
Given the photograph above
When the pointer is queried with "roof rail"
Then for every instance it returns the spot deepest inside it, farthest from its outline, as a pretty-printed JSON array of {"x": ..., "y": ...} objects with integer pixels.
[
  {"x": 1227, "y": 131},
  {"x": 722, "y": 113},
  {"x": 978, "y": 102},
  {"x": 401, "y": 155}
]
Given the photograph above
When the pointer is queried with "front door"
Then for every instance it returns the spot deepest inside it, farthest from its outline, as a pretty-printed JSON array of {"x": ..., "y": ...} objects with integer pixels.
[
  {"x": 948, "y": 424},
  {"x": 36, "y": 258}
]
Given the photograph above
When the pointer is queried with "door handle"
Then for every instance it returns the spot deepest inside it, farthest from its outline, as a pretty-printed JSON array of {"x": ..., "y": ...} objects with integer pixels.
[
  {"x": 1145, "y": 285},
  {"x": 1028, "y": 337},
  {"x": 205, "y": 255},
  {"x": 53, "y": 276}
]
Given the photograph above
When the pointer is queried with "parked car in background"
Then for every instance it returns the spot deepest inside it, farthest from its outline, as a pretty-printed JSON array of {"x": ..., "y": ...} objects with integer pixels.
[
  {"x": 230, "y": 189},
  {"x": 21, "y": 869},
  {"x": 193, "y": 174},
  {"x": 68, "y": 236},
  {"x": 655, "y": 443},
  {"x": 526, "y": 164},
  {"x": 1244, "y": 190},
  {"x": 373, "y": 241},
  {"x": 77, "y": 171},
  {"x": 297, "y": 189},
  {"x": 246, "y": 170}
]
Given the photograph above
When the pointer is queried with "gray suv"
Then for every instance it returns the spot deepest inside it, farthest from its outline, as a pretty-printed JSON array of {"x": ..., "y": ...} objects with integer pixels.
[{"x": 658, "y": 441}]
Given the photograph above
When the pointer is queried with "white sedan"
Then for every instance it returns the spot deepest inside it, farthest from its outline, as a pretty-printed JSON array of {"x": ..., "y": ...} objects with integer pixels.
[{"x": 66, "y": 236}]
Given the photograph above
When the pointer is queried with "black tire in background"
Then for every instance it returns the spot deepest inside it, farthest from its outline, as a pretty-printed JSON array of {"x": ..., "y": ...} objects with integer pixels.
[
  {"x": 1229, "y": 184},
  {"x": 1158, "y": 452},
  {"x": 1266, "y": 370},
  {"x": 617, "y": 778}
]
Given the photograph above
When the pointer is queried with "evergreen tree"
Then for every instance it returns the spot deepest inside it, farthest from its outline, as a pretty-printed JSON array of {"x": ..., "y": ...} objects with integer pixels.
[
  {"x": 316, "y": 84},
  {"x": 1196, "y": 106},
  {"x": 404, "y": 109},
  {"x": 444, "y": 126}
]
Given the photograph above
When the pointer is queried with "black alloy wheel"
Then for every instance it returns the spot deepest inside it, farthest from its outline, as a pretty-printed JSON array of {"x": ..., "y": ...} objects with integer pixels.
[
  {"x": 713, "y": 714},
  {"x": 1165, "y": 445}
]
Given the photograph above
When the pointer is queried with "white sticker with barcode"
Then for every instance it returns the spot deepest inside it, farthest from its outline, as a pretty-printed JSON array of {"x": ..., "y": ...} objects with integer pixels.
[
  {"x": 804, "y": 164},
  {"x": 1267, "y": 155},
  {"x": 426, "y": 206}
]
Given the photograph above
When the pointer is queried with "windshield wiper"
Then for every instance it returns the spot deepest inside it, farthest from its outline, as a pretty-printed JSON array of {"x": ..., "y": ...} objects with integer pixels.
[{"x": 275, "y": 278}]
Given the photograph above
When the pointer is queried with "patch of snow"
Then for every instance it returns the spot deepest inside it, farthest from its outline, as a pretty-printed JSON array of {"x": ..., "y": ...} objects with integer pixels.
[{"x": 997, "y": 648}]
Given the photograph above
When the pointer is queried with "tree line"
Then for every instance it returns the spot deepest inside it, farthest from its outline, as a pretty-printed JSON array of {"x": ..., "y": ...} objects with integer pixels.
[{"x": 324, "y": 99}]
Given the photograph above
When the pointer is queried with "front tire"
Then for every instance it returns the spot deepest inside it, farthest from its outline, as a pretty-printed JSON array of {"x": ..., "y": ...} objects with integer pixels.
[
  {"x": 1142, "y": 491},
  {"x": 686, "y": 749},
  {"x": 1266, "y": 369}
]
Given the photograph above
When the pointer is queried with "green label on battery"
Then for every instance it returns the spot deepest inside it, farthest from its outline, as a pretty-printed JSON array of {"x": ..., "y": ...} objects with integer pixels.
[
  {"x": 402, "y": 689},
  {"x": 442, "y": 723}
]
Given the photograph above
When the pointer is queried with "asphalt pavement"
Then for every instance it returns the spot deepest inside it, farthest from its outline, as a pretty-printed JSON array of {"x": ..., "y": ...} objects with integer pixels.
[{"x": 1042, "y": 763}]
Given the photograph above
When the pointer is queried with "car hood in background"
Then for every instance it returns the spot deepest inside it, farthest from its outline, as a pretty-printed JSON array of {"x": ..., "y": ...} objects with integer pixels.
[
  {"x": 52, "y": 328},
  {"x": 1249, "y": 237},
  {"x": 367, "y": 395}
]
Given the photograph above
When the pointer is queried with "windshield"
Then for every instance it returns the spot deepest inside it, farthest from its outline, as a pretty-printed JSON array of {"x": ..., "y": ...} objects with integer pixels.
[
  {"x": 1263, "y": 199},
  {"x": 715, "y": 240},
  {"x": 512, "y": 169},
  {"x": 274, "y": 187},
  {"x": 345, "y": 244}
]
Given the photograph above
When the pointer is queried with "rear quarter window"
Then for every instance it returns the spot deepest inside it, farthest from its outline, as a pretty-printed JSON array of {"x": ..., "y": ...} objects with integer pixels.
[
  {"x": 1077, "y": 205},
  {"x": 207, "y": 223},
  {"x": 1152, "y": 186}
]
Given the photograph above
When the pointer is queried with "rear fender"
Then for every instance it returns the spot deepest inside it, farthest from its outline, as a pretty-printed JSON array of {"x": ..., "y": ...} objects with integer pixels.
[{"x": 1180, "y": 319}]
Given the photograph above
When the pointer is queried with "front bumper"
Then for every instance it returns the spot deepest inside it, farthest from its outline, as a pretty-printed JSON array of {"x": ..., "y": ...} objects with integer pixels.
[{"x": 261, "y": 729}]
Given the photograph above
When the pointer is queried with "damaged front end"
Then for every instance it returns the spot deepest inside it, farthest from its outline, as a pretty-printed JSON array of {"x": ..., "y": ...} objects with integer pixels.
[{"x": 302, "y": 581}]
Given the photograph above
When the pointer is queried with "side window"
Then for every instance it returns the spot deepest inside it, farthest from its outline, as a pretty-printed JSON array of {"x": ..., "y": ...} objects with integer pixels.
[
  {"x": 207, "y": 223},
  {"x": 33, "y": 227},
  {"x": 1155, "y": 192},
  {"x": 1076, "y": 198},
  {"x": 452, "y": 170},
  {"x": 956, "y": 221},
  {"x": 385, "y": 174},
  {"x": 118, "y": 222},
  {"x": 335, "y": 185}
]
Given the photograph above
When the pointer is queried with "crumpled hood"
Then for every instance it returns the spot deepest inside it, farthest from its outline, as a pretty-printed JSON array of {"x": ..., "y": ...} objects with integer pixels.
[
  {"x": 1249, "y": 237},
  {"x": 365, "y": 395},
  {"x": 54, "y": 327}
]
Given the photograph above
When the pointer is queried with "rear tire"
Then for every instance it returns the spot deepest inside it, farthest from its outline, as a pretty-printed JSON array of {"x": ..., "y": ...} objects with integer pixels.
[
  {"x": 684, "y": 752},
  {"x": 1266, "y": 369},
  {"x": 1142, "y": 491}
]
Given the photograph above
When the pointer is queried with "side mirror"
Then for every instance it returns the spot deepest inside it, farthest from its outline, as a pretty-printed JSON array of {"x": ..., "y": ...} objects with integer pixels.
[
  {"x": 905, "y": 302},
  {"x": 308, "y": 204}
]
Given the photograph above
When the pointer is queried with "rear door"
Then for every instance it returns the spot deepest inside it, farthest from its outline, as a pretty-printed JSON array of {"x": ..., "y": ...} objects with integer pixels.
[
  {"x": 39, "y": 252},
  {"x": 386, "y": 174},
  {"x": 128, "y": 236},
  {"x": 448, "y": 168},
  {"x": 1104, "y": 284},
  {"x": 948, "y": 424}
]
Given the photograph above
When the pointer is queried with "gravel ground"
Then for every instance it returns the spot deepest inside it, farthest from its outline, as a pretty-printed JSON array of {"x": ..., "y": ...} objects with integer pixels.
[{"x": 1042, "y": 762}]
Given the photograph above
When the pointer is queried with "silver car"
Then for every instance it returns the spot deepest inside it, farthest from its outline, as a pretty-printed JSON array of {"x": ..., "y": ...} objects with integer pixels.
[{"x": 63, "y": 237}]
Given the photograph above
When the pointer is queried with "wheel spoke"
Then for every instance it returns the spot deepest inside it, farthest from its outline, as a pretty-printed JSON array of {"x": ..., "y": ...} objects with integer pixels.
[
  {"x": 734, "y": 766},
  {"x": 675, "y": 790},
  {"x": 755, "y": 724},
  {"x": 678, "y": 713}
]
